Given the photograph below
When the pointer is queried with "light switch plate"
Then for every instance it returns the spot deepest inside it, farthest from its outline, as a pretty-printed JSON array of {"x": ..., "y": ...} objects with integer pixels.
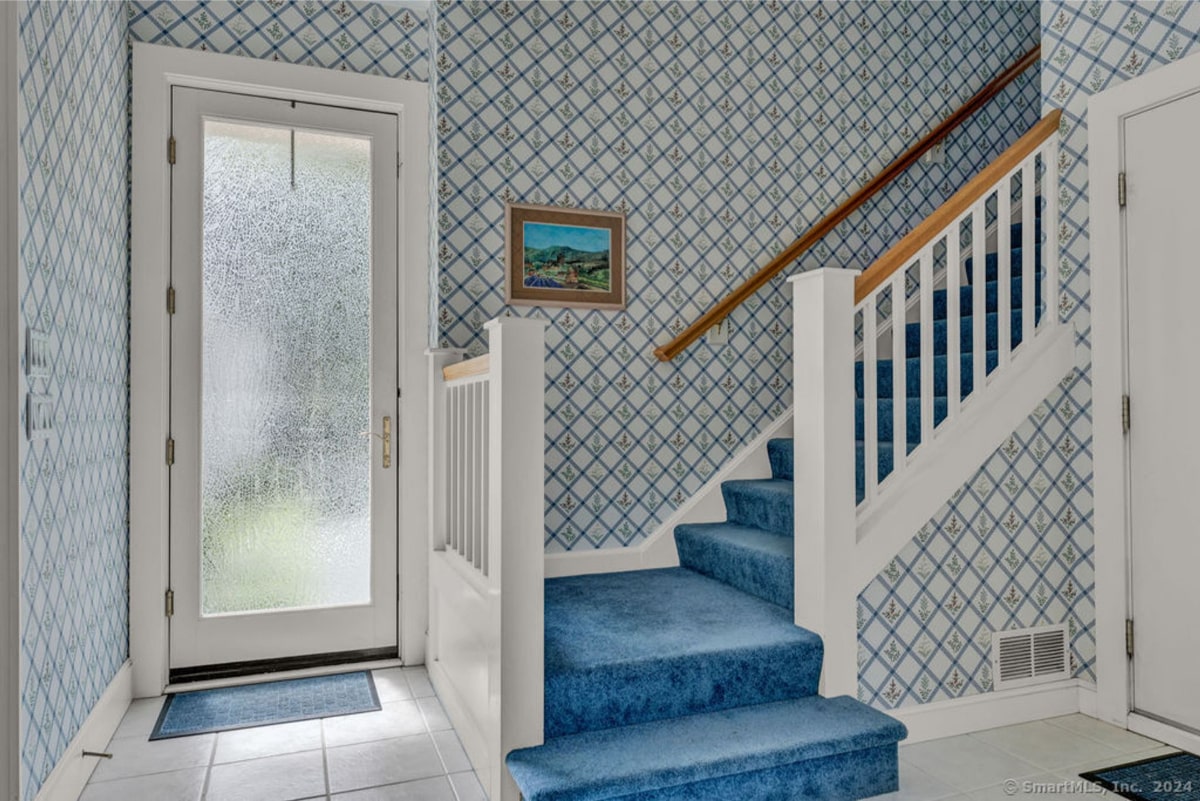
[
  {"x": 37, "y": 353},
  {"x": 39, "y": 415}
]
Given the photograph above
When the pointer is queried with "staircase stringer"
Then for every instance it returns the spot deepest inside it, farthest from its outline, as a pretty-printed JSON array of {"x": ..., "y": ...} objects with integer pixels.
[{"x": 937, "y": 468}]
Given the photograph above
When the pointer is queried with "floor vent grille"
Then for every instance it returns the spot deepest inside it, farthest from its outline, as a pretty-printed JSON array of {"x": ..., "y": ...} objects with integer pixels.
[{"x": 1030, "y": 656}]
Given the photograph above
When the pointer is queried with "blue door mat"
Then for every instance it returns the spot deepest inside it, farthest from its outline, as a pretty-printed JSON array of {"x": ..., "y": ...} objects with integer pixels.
[
  {"x": 1174, "y": 777},
  {"x": 249, "y": 705}
]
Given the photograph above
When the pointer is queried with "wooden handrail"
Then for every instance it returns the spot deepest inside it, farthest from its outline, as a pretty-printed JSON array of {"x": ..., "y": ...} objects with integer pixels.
[
  {"x": 903, "y": 251},
  {"x": 793, "y": 251},
  {"x": 480, "y": 365}
]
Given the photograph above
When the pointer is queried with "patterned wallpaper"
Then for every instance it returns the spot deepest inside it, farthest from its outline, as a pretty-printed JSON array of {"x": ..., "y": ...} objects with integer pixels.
[
  {"x": 390, "y": 38},
  {"x": 74, "y": 217},
  {"x": 723, "y": 130},
  {"x": 1014, "y": 547}
]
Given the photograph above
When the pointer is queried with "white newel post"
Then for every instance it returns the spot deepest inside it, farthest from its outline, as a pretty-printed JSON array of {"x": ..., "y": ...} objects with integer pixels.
[
  {"x": 516, "y": 529},
  {"x": 825, "y": 527}
]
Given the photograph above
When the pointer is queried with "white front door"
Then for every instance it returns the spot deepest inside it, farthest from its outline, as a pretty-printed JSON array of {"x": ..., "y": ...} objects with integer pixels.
[
  {"x": 283, "y": 499},
  {"x": 1162, "y": 279}
]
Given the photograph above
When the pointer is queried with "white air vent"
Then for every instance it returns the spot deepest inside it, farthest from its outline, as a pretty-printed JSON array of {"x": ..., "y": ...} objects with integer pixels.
[{"x": 1030, "y": 656}]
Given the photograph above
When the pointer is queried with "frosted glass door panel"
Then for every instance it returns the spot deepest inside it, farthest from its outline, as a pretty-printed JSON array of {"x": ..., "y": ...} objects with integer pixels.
[{"x": 286, "y": 369}]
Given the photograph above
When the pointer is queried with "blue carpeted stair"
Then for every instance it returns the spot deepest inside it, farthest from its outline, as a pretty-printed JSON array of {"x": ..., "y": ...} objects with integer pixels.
[
  {"x": 694, "y": 683},
  {"x": 885, "y": 377}
]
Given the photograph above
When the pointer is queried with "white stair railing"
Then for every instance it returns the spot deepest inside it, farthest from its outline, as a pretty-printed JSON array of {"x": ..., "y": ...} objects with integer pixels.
[
  {"x": 486, "y": 619},
  {"x": 842, "y": 543}
]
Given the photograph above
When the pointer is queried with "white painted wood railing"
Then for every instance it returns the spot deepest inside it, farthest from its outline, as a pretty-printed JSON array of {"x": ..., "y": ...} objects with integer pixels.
[
  {"x": 486, "y": 626},
  {"x": 841, "y": 544}
]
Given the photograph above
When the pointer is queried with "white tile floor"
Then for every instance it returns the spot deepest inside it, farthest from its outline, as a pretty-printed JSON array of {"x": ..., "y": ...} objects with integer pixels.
[
  {"x": 408, "y": 752},
  {"x": 405, "y": 752}
]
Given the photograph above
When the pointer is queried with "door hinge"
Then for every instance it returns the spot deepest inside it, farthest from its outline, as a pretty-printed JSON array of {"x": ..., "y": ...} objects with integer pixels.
[
  {"x": 170, "y": 451},
  {"x": 171, "y": 150},
  {"x": 1125, "y": 420},
  {"x": 170, "y": 300},
  {"x": 169, "y": 604},
  {"x": 1121, "y": 189},
  {"x": 1129, "y": 637},
  {"x": 399, "y": 164}
]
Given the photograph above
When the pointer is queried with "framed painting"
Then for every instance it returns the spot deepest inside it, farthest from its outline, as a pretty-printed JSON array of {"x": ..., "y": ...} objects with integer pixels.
[{"x": 564, "y": 257}]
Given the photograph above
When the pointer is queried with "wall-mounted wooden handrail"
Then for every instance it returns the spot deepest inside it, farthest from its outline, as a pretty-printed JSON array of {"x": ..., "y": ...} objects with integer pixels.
[
  {"x": 903, "y": 251},
  {"x": 480, "y": 365},
  {"x": 793, "y": 251}
]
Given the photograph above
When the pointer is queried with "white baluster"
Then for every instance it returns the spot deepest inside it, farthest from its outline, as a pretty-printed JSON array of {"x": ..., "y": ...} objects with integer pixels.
[
  {"x": 1029, "y": 276},
  {"x": 870, "y": 398},
  {"x": 953, "y": 320},
  {"x": 925, "y": 273},
  {"x": 1004, "y": 272},
  {"x": 978, "y": 297},
  {"x": 899, "y": 373},
  {"x": 1050, "y": 227}
]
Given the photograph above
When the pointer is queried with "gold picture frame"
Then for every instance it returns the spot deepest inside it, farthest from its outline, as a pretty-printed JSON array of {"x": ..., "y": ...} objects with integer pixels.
[{"x": 564, "y": 257}]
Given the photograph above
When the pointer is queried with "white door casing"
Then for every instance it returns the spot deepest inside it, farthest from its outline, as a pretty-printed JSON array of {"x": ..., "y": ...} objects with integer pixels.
[
  {"x": 1161, "y": 288},
  {"x": 1106, "y": 115},
  {"x": 156, "y": 70},
  {"x": 9, "y": 382},
  {"x": 207, "y": 639}
]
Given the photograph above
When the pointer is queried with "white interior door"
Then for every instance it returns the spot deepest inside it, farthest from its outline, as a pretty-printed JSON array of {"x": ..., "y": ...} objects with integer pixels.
[
  {"x": 1162, "y": 281},
  {"x": 283, "y": 380}
]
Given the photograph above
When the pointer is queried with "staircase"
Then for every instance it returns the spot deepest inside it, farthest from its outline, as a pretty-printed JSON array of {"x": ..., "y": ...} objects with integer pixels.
[
  {"x": 885, "y": 372},
  {"x": 694, "y": 683}
]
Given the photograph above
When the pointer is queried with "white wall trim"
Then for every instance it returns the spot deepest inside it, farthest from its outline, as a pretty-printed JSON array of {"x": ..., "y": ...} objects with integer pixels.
[
  {"x": 9, "y": 404},
  {"x": 1106, "y": 113},
  {"x": 155, "y": 69},
  {"x": 958, "y": 448},
  {"x": 990, "y": 710},
  {"x": 707, "y": 505},
  {"x": 69, "y": 776}
]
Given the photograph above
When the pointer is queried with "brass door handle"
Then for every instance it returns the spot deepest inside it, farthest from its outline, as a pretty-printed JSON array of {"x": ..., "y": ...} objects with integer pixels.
[{"x": 386, "y": 436}]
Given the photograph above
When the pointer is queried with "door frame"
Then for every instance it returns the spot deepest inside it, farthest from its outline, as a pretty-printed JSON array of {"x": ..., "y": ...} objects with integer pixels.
[
  {"x": 1110, "y": 484},
  {"x": 10, "y": 632},
  {"x": 157, "y": 68}
]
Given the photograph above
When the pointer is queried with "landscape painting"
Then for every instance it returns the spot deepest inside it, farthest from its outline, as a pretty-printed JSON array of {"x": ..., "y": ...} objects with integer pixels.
[{"x": 565, "y": 257}]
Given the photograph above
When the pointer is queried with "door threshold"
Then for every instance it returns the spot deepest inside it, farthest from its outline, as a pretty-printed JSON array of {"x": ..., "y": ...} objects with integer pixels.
[{"x": 190, "y": 685}]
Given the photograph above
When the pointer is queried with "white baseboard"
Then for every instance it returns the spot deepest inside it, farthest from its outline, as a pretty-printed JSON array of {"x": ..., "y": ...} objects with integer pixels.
[
  {"x": 706, "y": 506},
  {"x": 73, "y": 770},
  {"x": 1164, "y": 732},
  {"x": 990, "y": 710},
  {"x": 1087, "y": 699}
]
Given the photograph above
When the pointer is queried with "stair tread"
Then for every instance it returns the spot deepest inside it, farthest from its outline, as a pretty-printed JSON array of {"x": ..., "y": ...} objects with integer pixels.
[
  {"x": 745, "y": 557},
  {"x": 641, "y": 645},
  {"x": 596, "y": 765}
]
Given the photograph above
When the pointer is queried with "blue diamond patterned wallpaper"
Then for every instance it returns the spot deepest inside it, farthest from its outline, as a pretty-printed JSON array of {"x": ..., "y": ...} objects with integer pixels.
[
  {"x": 376, "y": 38},
  {"x": 1014, "y": 547},
  {"x": 74, "y": 217},
  {"x": 723, "y": 130}
]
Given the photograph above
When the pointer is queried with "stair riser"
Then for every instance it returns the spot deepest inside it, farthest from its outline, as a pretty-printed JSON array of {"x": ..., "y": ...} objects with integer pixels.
[
  {"x": 769, "y": 512},
  {"x": 852, "y": 775},
  {"x": 912, "y": 338},
  {"x": 884, "y": 379},
  {"x": 781, "y": 455},
  {"x": 625, "y": 694},
  {"x": 966, "y": 299},
  {"x": 763, "y": 575},
  {"x": 993, "y": 261},
  {"x": 886, "y": 418}
]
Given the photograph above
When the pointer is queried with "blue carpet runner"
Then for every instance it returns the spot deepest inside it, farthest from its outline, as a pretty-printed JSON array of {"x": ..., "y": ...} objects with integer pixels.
[
  {"x": 1174, "y": 777},
  {"x": 265, "y": 704},
  {"x": 693, "y": 683}
]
